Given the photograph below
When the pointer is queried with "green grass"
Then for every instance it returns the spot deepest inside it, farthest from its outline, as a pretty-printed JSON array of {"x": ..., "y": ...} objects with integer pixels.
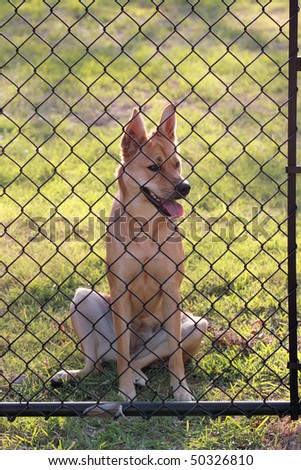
[{"x": 66, "y": 94}]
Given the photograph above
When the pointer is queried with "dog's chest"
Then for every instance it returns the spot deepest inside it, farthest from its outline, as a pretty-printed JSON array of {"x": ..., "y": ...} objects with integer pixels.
[
  {"x": 147, "y": 282},
  {"x": 150, "y": 266}
]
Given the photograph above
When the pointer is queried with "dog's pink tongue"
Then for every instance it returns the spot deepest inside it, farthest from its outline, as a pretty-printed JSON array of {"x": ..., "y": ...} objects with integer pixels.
[{"x": 175, "y": 209}]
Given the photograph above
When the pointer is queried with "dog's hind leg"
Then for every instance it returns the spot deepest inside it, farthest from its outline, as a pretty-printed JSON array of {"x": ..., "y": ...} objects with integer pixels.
[
  {"x": 92, "y": 321},
  {"x": 193, "y": 329}
]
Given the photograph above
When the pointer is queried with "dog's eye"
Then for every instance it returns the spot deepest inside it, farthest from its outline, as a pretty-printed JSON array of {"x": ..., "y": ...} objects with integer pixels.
[
  {"x": 178, "y": 164},
  {"x": 154, "y": 167}
]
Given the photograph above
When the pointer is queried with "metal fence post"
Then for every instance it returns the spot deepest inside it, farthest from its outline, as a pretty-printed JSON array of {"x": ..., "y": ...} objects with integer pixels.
[{"x": 292, "y": 170}]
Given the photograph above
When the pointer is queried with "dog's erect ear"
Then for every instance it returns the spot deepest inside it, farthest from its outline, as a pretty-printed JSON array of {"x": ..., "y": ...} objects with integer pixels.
[
  {"x": 134, "y": 135},
  {"x": 168, "y": 123}
]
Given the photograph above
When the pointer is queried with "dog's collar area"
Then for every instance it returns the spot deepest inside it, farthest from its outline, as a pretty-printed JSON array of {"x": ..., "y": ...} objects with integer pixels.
[{"x": 169, "y": 208}]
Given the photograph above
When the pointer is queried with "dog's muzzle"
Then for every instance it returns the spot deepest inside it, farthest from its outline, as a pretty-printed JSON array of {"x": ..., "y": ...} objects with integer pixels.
[{"x": 169, "y": 207}]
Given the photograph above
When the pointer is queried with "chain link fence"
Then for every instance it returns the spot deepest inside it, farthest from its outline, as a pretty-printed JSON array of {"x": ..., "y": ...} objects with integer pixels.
[{"x": 71, "y": 74}]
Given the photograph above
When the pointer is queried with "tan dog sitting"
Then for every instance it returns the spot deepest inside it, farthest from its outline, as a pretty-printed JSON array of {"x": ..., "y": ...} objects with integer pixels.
[{"x": 141, "y": 322}]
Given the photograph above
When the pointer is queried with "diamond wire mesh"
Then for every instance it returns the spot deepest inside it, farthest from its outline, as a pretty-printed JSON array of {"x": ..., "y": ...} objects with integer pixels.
[{"x": 71, "y": 74}]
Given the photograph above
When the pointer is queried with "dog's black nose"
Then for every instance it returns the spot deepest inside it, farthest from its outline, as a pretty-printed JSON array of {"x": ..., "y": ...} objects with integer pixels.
[{"x": 183, "y": 188}]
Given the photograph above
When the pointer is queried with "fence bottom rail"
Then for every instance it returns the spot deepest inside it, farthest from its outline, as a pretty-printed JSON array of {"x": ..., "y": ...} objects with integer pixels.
[{"x": 147, "y": 410}]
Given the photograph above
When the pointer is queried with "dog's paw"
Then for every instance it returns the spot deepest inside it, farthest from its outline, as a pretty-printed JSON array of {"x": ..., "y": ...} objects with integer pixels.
[
  {"x": 183, "y": 394},
  {"x": 128, "y": 393},
  {"x": 140, "y": 379},
  {"x": 60, "y": 378}
]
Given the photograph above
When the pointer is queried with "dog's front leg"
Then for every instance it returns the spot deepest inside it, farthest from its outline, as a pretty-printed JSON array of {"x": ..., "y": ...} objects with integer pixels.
[
  {"x": 172, "y": 314},
  {"x": 122, "y": 315}
]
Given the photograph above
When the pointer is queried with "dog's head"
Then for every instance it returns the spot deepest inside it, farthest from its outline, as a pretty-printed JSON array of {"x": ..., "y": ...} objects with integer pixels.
[{"x": 151, "y": 164}]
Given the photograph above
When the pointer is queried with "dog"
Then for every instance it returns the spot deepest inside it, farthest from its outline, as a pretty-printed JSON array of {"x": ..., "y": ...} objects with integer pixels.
[{"x": 141, "y": 321}]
